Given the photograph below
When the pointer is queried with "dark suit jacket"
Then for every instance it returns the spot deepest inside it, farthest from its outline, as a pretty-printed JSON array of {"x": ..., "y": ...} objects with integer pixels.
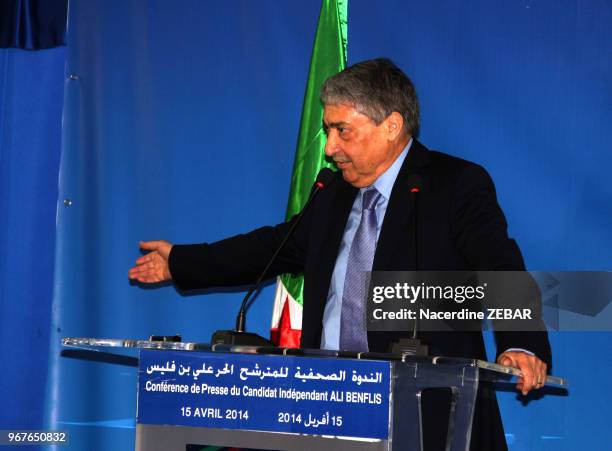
[{"x": 460, "y": 227}]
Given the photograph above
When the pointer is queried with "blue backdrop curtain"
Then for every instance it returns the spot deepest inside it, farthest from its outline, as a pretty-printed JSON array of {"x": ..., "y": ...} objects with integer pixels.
[
  {"x": 180, "y": 123},
  {"x": 31, "y": 99}
]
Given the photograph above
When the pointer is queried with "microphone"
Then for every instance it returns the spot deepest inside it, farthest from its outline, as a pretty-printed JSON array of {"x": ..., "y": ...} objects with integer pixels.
[
  {"x": 239, "y": 336},
  {"x": 413, "y": 346},
  {"x": 415, "y": 184}
]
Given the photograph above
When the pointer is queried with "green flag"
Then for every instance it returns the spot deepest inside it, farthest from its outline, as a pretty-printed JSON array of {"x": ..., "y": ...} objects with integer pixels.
[{"x": 328, "y": 58}]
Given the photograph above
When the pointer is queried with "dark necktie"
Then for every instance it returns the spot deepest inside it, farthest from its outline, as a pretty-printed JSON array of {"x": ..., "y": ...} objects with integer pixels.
[{"x": 353, "y": 334}]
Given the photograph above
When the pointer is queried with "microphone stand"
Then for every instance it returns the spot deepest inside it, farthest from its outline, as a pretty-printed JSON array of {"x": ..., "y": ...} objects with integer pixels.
[
  {"x": 412, "y": 345},
  {"x": 239, "y": 336}
]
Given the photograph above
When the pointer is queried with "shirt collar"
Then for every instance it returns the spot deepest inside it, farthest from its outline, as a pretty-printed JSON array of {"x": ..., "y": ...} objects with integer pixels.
[{"x": 384, "y": 183}]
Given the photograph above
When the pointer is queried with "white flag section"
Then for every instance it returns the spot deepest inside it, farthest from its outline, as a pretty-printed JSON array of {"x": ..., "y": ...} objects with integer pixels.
[{"x": 286, "y": 318}]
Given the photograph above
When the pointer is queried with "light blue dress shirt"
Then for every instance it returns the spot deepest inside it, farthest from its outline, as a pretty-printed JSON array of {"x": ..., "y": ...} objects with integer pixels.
[{"x": 330, "y": 339}]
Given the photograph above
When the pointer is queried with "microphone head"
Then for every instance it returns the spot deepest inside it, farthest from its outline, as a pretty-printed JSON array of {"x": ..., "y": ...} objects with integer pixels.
[
  {"x": 415, "y": 183},
  {"x": 324, "y": 178}
]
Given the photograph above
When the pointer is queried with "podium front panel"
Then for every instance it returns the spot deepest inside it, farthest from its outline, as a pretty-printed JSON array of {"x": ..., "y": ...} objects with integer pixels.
[{"x": 262, "y": 401}]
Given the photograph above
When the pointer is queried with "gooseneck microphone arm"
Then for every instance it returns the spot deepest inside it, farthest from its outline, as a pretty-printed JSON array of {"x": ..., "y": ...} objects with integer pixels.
[
  {"x": 412, "y": 345},
  {"x": 325, "y": 176},
  {"x": 239, "y": 336},
  {"x": 415, "y": 183},
  {"x": 415, "y": 189}
]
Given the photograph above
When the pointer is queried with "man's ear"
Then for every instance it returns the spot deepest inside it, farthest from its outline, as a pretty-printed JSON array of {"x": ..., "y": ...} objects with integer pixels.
[{"x": 394, "y": 125}]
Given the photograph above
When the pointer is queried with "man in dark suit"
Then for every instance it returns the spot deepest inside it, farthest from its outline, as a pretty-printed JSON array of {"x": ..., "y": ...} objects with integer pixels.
[{"x": 362, "y": 222}]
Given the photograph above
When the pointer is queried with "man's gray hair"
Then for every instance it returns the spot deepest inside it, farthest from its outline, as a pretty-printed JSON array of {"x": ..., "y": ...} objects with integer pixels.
[{"x": 375, "y": 88}]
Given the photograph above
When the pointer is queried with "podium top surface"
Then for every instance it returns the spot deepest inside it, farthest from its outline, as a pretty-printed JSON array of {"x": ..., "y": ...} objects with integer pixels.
[{"x": 97, "y": 344}]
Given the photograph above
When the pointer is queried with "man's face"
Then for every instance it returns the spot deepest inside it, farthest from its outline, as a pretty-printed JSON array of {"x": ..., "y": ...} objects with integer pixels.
[{"x": 360, "y": 148}]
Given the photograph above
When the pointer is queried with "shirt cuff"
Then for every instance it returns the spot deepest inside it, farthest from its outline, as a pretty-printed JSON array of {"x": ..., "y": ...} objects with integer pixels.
[{"x": 519, "y": 350}]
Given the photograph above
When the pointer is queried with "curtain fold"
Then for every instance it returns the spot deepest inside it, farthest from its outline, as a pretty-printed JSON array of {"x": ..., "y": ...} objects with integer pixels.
[
  {"x": 31, "y": 99},
  {"x": 32, "y": 24}
]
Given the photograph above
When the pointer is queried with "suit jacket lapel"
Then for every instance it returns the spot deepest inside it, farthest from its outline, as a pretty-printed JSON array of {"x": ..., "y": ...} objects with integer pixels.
[
  {"x": 340, "y": 209},
  {"x": 335, "y": 214},
  {"x": 398, "y": 215}
]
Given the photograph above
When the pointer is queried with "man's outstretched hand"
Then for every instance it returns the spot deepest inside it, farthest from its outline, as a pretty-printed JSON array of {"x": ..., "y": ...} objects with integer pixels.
[
  {"x": 533, "y": 369},
  {"x": 153, "y": 267}
]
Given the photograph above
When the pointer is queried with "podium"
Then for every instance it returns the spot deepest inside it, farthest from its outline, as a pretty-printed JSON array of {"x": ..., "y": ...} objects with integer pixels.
[{"x": 191, "y": 395}]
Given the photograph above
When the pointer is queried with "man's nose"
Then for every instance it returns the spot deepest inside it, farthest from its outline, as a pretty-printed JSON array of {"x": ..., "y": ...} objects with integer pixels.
[{"x": 330, "y": 144}]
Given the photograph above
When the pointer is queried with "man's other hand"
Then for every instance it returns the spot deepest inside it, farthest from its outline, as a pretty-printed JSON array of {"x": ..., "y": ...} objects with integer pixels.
[
  {"x": 152, "y": 267},
  {"x": 532, "y": 368}
]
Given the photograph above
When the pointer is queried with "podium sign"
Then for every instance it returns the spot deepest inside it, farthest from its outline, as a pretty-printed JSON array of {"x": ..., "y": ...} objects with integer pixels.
[{"x": 268, "y": 393}]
